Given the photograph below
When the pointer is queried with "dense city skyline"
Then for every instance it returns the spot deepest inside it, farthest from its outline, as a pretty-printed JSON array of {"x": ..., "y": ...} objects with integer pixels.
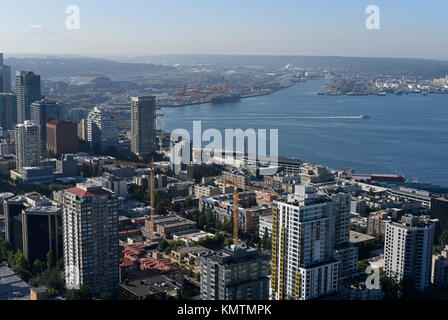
[{"x": 239, "y": 153}]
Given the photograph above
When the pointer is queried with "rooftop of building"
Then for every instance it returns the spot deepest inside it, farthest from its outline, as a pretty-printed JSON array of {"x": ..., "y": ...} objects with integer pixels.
[
  {"x": 54, "y": 123},
  {"x": 36, "y": 197},
  {"x": 192, "y": 249},
  {"x": 6, "y": 195},
  {"x": 12, "y": 287},
  {"x": 39, "y": 290},
  {"x": 160, "y": 265},
  {"x": 171, "y": 219},
  {"x": 172, "y": 224},
  {"x": 235, "y": 254},
  {"x": 89, "y": 190},
  {"x": 152, "y": 284},
  {"x": 357, "y": 237},
  {"x": 45, "y": 102},
  {"x": 17, "y": 199},
  {"x": 444, "y": 197},
  {"x": 268, "y": 217},
  {"x": 411, "y": 222},
  {"x": 190, "y": 232},
  {"x": 43, "y": 209},
  {"x": 27, "y": 124}
]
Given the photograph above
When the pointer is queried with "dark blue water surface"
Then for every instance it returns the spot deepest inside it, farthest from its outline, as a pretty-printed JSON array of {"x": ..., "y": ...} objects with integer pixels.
[{"x": 405, "y": 134}]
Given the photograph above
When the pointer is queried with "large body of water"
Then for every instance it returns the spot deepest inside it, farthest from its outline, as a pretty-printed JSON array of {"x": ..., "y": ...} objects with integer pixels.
[{"x": 406, "y": 134}]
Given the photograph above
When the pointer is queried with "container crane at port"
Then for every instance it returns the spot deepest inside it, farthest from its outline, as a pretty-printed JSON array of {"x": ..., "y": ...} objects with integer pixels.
[
  {"x": 196, "y": 93},
  {"x": 180, "y": 95}
]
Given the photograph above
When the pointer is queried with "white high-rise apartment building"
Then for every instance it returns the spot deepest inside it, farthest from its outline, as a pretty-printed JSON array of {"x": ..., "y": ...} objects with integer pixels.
[
  {"x": 28, "y": 145},
  {"x": 102, "y": 131},
  {"x": 408, "y": 250},
  {"x": 345, "y": 252},
  {"x": 90, "y": 232},
  {"x": 143, "y": 125},
  {"x": 303, "y": 263}
]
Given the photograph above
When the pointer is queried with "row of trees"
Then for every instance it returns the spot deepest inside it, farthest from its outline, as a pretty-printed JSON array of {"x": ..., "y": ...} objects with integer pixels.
[
  {"x": 405, "y": 290},
  {"x": 443, "y": 241},
  {"x": 213, "y": 243},
  {"x": 266, "y": 242},
  {"x": 39, "y": 273},
  {"x": 207, "y": 221},
  {"x": 166, "y": 246},
  {"x": 47, "y": 273},
  {"x": 162, "y": 201}
]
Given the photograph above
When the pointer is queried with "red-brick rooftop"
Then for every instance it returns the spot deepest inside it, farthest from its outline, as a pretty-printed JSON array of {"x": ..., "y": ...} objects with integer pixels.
[
  {"x": 131, "y": 255},
  {"x": 83, "y": 193},
  {"x": 157, "y": 264},
  {"x": 127, "y": 262}
]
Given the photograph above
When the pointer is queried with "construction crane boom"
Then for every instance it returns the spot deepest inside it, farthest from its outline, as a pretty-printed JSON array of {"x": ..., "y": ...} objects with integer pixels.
[{"x": 151, "y": 182}]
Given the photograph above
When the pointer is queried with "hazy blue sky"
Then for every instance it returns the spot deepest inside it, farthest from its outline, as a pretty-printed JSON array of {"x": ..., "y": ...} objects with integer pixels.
[{"x": 144, "y": 27}]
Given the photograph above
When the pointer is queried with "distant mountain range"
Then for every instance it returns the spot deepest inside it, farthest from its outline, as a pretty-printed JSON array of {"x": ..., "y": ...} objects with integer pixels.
[
  {"x": 66, "y": 66},
  {"x": 424, "y": 68}
]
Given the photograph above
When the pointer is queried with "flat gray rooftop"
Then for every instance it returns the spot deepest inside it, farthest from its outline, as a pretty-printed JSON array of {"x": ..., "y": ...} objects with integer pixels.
[
  {"x": 10, "y": 284},
  {"x": 356, "y": 237}
]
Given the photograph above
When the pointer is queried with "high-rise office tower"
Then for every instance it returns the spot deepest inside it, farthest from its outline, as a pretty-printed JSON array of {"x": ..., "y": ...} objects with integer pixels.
[
  {"x": 102, "y": 132},
  {"x": 12, "y": 209},
  {"x": 28, "y": 145},
  {"x": 303, "y": 263},
  {"x": 90, "y": 230},
  {"x": 143, "y": 125},
  {"x": 8, "y": 111},
  {"x": 408, "y": 250},
  {"x": 5, "y": 76},
  {"x": 34, "y": 226},
  {"x": 62, "y": 137},
  {"x": 27, "y": 91},
  {"x": 43, "y": 111},
  {"x": 42, "y": 228},
  {"x": 235, "y": 273}
]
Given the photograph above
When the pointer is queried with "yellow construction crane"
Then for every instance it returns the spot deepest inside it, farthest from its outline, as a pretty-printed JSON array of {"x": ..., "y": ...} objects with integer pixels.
[
  {"x": 237, "y": 186},
  {"x": 151, "y": 183}
]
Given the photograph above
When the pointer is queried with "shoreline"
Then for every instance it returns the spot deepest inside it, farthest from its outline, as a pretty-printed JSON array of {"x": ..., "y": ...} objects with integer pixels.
[
  {"x": 317, "y": 86},
  {"x": 244, "y": 96}
]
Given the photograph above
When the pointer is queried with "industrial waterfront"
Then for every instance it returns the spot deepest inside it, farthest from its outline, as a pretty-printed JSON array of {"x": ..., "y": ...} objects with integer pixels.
[{"x": 404, "y": 134}]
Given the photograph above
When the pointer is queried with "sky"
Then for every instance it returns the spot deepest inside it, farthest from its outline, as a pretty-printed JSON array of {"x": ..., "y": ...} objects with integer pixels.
[{"x": 274, "y": 27}]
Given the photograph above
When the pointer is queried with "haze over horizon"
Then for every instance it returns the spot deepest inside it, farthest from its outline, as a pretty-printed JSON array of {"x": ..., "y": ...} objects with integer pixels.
[{"x": 285, "y": 27}]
